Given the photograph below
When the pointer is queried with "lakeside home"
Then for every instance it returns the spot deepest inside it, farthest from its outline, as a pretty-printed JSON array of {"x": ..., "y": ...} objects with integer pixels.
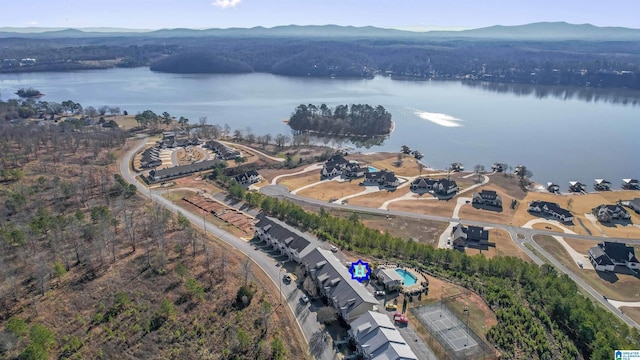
[
  {"x": 553, "y": 188},
  {"x": 382, "y": 178},
  {"x": 487, "y": 197},
  {"x": 607, "y": 255},
  {"x": 551, "y": 209},
  {"x": 608, "y": 213},
  {"x": 443, "y": 187},
  {"x": 633, "y": 204},
  {"x": 222, "y": 151}
]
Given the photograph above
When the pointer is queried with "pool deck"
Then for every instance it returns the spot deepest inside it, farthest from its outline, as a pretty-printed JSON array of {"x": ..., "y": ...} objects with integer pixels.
[{"x": 415, "y": 288}]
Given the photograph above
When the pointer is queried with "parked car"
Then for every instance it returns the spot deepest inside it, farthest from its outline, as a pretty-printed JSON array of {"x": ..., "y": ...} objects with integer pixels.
[
  {"x": 334, "y": 249},
  {"x": 391, "y": 306},
  {"x": 304, "y": 298},
  {"x": 379, "y": 293},
  {"x": 286, "y": 278}
]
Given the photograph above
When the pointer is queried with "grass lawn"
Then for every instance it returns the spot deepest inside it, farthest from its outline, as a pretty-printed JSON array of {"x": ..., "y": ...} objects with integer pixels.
[
  {"x": 332, "y": 190},
  {"x": 297, "y": 181},
  {"x": 509, "y": 184},
  {"x": 631, "y": 312},
  {"x": 504, "y": 246},
  {"x": 581, "y": 246},
  {"x": 614, "y": 286},
  {"x": 376, "y": 199}
]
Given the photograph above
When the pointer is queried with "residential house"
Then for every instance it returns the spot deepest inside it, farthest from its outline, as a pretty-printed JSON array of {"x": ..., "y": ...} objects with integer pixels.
[
  {"x": 553, "y": 188},
  {"x": 280, "y": 236},
  {"x": 633, "y": 204},
  {"x": 354, "y": 170},
  {"x": 498, "y": 167},
  {"x": 383, "y": 178},
  {"x": 551, "y": 209},
  {"x": 607, "y": 213},
  {"x": 471, "y": 236},
  {"x": 376, "y": 338},
  {"x": 487, "y": 197},
  {"x": 446, "y": 187},
  {"x": 423, "y": 183},
  {"x": 602, "y": 185},
  {"x": 349, "y": 297},
  {"x": 390, "y": 278},
  {"x": 330, "y": 172},
  {"x": 222, "y": 151},
  {"x": 576, "y": 186},
  {"x": 606, "y": 255},
  {"x": 248, "y": 178},
  {"x": 156, "y": 176},
  {"x": 630, "y": 184}
]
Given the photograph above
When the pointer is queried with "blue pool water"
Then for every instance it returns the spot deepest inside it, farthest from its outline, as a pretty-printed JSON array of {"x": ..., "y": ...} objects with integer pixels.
[
  {"x": 408, "y": 278},
  {"x": 372, "y": 169}
]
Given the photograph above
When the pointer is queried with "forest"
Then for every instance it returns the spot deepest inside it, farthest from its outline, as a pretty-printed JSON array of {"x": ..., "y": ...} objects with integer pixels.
[
  {"x": 541, "y": 314},
  {"x": 588, "y": 64},
  {"x": 356, "y": 120}
]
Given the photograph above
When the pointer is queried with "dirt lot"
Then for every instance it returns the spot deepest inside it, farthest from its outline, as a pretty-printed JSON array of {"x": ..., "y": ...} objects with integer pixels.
[
  {"x": 614, "y": 286},
  {"x": 332, "y": 190},
  {"x": 431, "y": 206},
  {"x": 504, "y": 246},
  {"x": 376, "y": 199},
  {"x": 422, "y": 231}
]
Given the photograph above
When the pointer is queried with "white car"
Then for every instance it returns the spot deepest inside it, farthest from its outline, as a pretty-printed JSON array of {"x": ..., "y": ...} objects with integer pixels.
[
  {"x": 334, "y": 249},
  {"x": 379, "y": 293}
]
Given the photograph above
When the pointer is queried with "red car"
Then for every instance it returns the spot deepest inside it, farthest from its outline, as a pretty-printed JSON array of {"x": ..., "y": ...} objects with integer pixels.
[{"x": 400, "y": 318}]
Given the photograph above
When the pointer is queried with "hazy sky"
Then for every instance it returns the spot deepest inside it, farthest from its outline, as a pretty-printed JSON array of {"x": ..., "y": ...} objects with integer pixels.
[{"x": 156, "y": 14}]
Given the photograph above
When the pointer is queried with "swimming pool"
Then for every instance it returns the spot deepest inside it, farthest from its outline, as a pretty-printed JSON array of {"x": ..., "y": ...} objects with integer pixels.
[
  {"x": 409, "y": 279},
  {"x": 372, "y": 169}
]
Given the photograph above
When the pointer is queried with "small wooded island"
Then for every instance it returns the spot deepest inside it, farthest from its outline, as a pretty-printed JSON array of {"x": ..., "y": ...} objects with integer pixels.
[{"x": 361, "y": 120}]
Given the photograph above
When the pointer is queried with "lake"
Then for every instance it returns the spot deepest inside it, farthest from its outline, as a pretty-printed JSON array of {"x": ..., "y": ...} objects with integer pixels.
[{"x": 560, "y": 134}]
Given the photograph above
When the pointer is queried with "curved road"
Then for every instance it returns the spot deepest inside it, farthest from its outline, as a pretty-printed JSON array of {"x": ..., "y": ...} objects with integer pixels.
[
  {"x": 281, "y": 191},
  {"x": 306, "y": 319}
]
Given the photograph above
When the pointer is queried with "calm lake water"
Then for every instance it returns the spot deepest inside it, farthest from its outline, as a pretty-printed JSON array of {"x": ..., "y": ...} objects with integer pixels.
[{"x": 560, "y": 134}]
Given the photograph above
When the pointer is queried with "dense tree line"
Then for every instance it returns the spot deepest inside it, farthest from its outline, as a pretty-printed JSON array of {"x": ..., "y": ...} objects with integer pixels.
[
  {"x": 356, "y": 120},
  {"x": 596, "y": 64},
  {"x": 541, "y": 314}
]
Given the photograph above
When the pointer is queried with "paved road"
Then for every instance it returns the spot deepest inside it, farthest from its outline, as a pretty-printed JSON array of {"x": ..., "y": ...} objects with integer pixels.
[
  {"x": 281, "y": 191},
  {"x": 306, "y": 318}
]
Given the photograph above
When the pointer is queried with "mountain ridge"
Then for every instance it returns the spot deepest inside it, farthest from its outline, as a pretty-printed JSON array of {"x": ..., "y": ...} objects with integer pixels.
[{"x": 533, "y": 31}]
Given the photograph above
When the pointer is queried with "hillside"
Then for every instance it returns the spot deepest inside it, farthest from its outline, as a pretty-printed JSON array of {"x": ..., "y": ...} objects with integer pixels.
[{"x": 90, "y": 270}]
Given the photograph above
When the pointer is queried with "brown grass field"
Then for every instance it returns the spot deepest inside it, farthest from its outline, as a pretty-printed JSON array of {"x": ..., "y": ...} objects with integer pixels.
[
  {"x": 505, "y": 216},
  {"x": 504, "y": 246},
  {"x": 632, "y": 312},
  {"x": 549, "y": 227},
  {"x": 614, "y": 286},
  {"x": 381, "y": 161},
  {"x": 579, "y": 245},
  {"x": 376, "y": 199},
  {"x": 431, "y": 207},
  {"x": 331, "y": 190},
  {"x": 297, "y": 181},
  {"x": 422, "y": 231}
]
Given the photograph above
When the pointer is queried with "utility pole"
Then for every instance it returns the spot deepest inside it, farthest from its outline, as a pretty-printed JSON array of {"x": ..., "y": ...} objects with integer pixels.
[{"x": 466, "y": 310}]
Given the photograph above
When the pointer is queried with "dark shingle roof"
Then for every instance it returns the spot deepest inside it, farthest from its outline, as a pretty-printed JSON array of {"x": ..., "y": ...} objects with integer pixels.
[
  {"x": 488, "y": 194},
  {"x": 618, "y": 251}
]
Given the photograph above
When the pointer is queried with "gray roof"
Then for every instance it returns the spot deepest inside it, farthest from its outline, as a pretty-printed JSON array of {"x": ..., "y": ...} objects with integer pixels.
[
  {"x": 389, "y": 274},
  {"x": 394, "y": 351},
  {"x": 379, "y": 337},
  {"x": 599, "y": 256},
  {"x": 345, "y": 292},
  {"x": 294, "y": 239},
  {"x": 368, "y": 323},
  {"x": 183, "y": 170}
]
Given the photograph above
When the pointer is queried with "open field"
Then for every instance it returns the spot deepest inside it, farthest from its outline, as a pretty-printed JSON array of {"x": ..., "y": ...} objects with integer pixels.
[
  {"x": 631, "y": 312},
  {"x": 614, "y": 286},
  {"x": 376, "y": 199},
  {"x": 431, "y": 207},
  {"x": 297, "y": 181},
  {"x": 382, "y": 161},
  {"x": 581, "y": 246},
  {"x": 509, "y": 184},
  {"x": 332, "y": 190},
  {"x": 422, "y": 231},
  {"x": 549, "y": 227},
  {"x": 580, "y": 204},
  {"x": 504, "y": 246}
]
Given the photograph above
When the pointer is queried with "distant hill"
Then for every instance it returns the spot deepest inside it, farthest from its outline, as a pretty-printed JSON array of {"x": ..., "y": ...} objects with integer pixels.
[{"x": 535, "y": 31}]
